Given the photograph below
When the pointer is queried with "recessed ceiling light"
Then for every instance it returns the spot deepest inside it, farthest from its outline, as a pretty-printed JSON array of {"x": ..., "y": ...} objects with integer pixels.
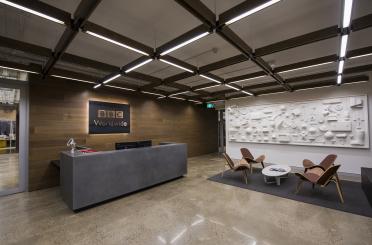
[
  {"x": 71, "y": 78},
  {"x": 137, "y": 66},
  {"x": 348, "y": 6},
  {"x": 209, "y": 78},
  {"x": 185, "y": 43},
  {"x": 16, "y": 69},
  {"x": 32, "y": 11},
  {"x": 175, "y": 65},
  {"x": 116, "y": 42},
  {"x": 111, "y": 78},
  {"x": 339, "y": 79},
  {"x": 252, "y": 11},
  {"x": 341, "y": 66},
  {"x": 344, "y": 39}
]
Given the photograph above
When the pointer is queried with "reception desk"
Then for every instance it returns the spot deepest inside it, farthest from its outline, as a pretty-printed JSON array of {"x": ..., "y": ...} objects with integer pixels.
[{"x": 88, "y": 179}]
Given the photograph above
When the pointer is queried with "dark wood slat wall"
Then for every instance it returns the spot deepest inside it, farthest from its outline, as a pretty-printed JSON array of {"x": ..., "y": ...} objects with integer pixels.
[{"x": 58, "y": 111}]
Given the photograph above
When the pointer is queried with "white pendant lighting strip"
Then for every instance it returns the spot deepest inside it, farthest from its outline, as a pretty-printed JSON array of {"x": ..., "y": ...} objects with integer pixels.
[
  {"x": 112, "y": 86},
  {"x": 98, "y": 85},
  {"x": 348, "y": 6},
  {"x": 208, "y": 87},
  {"x": 196, "y": 101},
  {"x": 227, "y": 85},
  {"x": 339, "y": 79},
  {"x": 341, "y": 67},
  {"x": 252, "y": 11},
  {"x": 177, "y": 98},
  {"x": 305, "y": 67},
  {"x": 137, "y": 66},
  {"x": 145, "y": 92},
  {"x": 175, "y": 65},
  {"x": 243, "y": 80},
  {"x": 184, "y": 43},
  {"x": 215, "y": 101},
  {"x": 344, "y": 39},
  {"x": 111, "y": 78},
  {"x": 32, "y": 11},
  {"x": 209, "y": 78},
  {"x": 360, "y": 56},
  {"x": 245, "y": 92},
  {"x": 184, "y": 92},
  {"x": 16, "y": 69},
  {"x": 116, "y": 42},
  {"x": 71, "y": 78}
]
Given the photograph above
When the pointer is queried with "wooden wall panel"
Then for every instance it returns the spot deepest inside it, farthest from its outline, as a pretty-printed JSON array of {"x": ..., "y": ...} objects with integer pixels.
[{"x": 59, "y": 109}]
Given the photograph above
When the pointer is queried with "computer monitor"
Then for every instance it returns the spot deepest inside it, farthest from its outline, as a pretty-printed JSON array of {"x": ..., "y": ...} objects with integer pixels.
[{"x": 134, "y": 144}]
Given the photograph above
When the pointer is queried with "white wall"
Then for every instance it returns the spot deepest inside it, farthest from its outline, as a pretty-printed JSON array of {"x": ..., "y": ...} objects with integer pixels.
[{"x": 351, "y": 160}]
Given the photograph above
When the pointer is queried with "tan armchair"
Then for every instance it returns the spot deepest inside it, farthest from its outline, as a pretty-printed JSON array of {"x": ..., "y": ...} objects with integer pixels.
[
  {"x": 248, "y": 157},
  {"x": 242, "y": 167},
  {"x": 321, "y": 178}
]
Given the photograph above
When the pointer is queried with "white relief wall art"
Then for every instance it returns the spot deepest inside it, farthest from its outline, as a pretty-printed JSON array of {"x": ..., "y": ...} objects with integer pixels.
[{"x": 336, "y": 122}]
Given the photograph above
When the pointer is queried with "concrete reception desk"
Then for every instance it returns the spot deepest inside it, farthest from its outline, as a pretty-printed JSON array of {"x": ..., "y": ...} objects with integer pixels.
[{"x": 91, "y": 178}]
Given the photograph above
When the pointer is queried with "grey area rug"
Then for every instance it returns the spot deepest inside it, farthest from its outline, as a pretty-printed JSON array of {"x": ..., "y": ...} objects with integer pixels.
[{"x": 355, "y": 200}]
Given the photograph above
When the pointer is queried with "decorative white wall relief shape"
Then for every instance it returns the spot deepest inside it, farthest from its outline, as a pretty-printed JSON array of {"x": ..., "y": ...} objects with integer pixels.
[{"x": 336, "y": 122}]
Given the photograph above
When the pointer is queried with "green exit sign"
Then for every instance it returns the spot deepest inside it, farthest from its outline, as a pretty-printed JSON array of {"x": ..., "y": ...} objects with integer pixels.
[{"x": 210, "y": 105}]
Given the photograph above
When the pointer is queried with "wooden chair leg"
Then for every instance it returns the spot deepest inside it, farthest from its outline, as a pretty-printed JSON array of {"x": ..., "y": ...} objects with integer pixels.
[
  {"x": 250, "y": 166},
  {"x": 245, "y": 176},
  {"x": 339, "y": 190},
  {"x": 262, "y": 164},
  {"x": 300, "y": 182}
]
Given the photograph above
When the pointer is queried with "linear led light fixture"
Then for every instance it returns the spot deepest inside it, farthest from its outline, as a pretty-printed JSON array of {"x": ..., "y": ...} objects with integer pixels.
[
  {"x": 16, "y": 69},
  {"x": 360, "y": 56},
  {"x": 137, "y": 66},
  {"x": 341, "y": 66},
  {"x": 98, "y": 85},
  {"x": 252, "y": 11},
  {"x": 112, "y": 86},
  {"x": 209, "y": 78},
  {"x": 344, "y": 39},
  {"x": 177, "y": 98},
  {"x": 145, "y": 92},
  {"x": 305, "y": 67},
  {"x": 71, "y": 78},
  {"x": 175, "y": 65},
  {"x": 184, "y": 92},
  {"x": 348, "y": 6},
  {"x": 339, "y": 79},
  {"x": 116, "y": 42},
  {"x": 227, "y": 85},
  {"x": 242, "y": 80},
  {"x": 32, "y": 11},
  {"x": 185, "y": 43},
  {"x": 215, "y": 101},
  {"x": 111, "y": 78},
  {"x": 245, "y": 92},
  {"x": 196, "y": 101},
  {"x": 208, "y": 87},
  {"x": 161, "y": 97}
]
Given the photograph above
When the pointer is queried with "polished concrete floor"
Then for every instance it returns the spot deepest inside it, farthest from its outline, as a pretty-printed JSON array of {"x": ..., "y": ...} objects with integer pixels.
[
  {"x": 190, "y": 210},
  {"x": 9, "y": 171}
]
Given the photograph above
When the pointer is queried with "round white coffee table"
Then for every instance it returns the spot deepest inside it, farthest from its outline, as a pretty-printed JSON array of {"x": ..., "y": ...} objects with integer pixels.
[{"x": 276, "y": 172}]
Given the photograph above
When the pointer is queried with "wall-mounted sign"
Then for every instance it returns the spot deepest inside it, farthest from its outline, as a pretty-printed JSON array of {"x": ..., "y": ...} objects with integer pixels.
[
  {"x": 108, "y": 118},
  {"x": 210, "y": 105}
]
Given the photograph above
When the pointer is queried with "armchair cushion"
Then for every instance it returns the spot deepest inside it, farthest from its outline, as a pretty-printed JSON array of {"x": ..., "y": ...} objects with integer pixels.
[
  {"x": 260, "y": 158},
  {"x": 307, "y": 163}
]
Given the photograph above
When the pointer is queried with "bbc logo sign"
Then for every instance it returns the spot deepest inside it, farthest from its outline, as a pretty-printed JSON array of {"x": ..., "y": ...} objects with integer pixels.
[{"x": 110, "y": 114}]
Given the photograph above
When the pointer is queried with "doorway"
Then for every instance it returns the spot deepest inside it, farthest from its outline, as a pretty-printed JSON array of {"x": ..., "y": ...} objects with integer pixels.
[
  {"x": 13, "y": 137},
  {"x": 221, "y": 131}
]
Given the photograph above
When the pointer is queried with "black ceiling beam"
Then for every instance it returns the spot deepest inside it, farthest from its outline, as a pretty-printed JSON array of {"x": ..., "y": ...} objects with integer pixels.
[
  {"x": 71, "y": 58},
  {"x": 359, "y": 52},
  {"x": 25, "y": 47},
  {"x": 180, "y": 63},
  {"x": 177, "y": 77},
  {"x": 226, "y": 33},
  {"x": 44, "y": 8},
  {"x": 223, "y": 63},
  {"x": 302, "y": 40},
  {"x": 238, "y": 10},
  {"x": 30, "y": 67},
  {"x": 202, "y": 86},
  {"x": 143, "y": 77},
  {"x": 345, "y": 80},
  {"x": 82, "y": 13},
  {"x": 89, "y": 26},
  {"x": 311, "y": 62},
  {"x": 362, "y": 23},
  {"x": 199, "y": 10},
  {"x": 245, "y": 77}
]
